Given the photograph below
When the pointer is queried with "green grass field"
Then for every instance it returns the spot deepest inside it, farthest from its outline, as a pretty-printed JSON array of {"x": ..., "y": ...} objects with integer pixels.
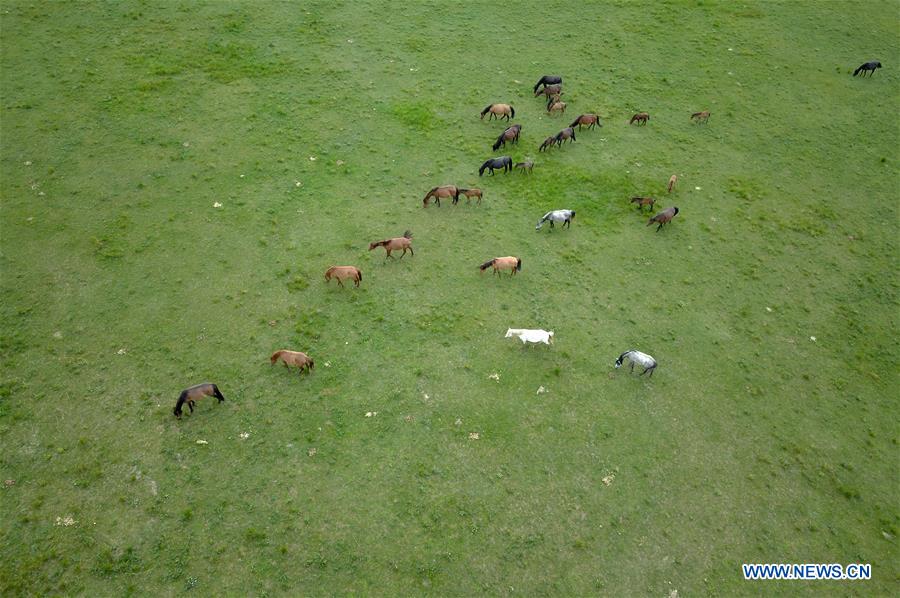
[{"x": 768, "y": 433}]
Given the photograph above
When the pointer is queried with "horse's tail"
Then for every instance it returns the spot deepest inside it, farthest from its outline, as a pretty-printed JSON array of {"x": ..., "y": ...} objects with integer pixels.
[
  {"x": 513, "y": 111},
  {"x": 518, "y": 264},
  {"x": 485, "y": 111},
  {"x": 218, "y": 394},
  {"x": 407, "y": 235},
  {"x": 275, "y": 356},
  {"x": 486, "y": 265},
  {"x": 312, "y": 364},
  {"x": 359, "y": 275}
]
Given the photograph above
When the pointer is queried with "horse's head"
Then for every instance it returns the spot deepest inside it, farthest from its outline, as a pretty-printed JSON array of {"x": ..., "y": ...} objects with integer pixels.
[
  {"x": 177, "y": 411},
  {"x": 509, "y": 333},
  {"x": 372, "y": 246}
]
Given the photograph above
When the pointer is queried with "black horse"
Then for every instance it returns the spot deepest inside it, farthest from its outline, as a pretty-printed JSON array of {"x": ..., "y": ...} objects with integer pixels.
[
  {"x": 869, "y": 66},
  {"x": 504, "y": 162},
  {"x": 548, "y": 80},
  {"x": 511, "y": 134}
]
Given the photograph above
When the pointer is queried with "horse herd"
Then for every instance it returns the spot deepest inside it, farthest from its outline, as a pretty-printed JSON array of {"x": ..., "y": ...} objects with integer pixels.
[{"x": 552, "y": 89}]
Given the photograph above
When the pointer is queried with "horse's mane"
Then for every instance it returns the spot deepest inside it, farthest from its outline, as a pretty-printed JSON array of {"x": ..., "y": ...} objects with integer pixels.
[
  {"x": 487, "y": 264},
  {"x": 275, "y": 355},
  {"x": 485, "y": 111}
]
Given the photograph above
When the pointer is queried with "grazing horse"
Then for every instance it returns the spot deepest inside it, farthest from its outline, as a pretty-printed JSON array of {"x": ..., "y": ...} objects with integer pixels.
[
  {"x": 297, "y": 358},
  {"x": 701, "y": 116},
  {"x": 549, "y": 90},
  {"x": 526, "y": 166},
  {"x": 564, "y": 216},
  {"x": 195, "y": 393},
  {"x": 444, "y": 191},
  {"x": 867, "y": 67},
  {"x": 643, "y": 201},
  {"x": 548, "y": 80},
  {"x": 530, "y": 336},
  {"x": 511, "y": 134},
  {"x": 663, "y": 217},
  {"x": 504, "y": 162},
  {"x": 503, "y": 110},
  {"x": 556, "y": 106},
  {"x": 548, "y": 142},
  {"x": 567, "y": 133},
  {"x": 404, "y": 243},
  {"x": 636, "y": 357},
  {"x": 672, "y": 180},
  {"x": 589, "y": 120},
  {"x": 641, "y": 117},
  {"x": 511, "y": 263},
  {"x": 470, "y": 193},
  {"x": 341, "y": 273}
]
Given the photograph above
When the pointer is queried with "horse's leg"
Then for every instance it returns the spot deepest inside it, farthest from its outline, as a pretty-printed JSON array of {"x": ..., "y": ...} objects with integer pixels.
[
  {"x": 191, "y": 405},
  {"x": 660, "y": 226},
  {"x": 651, "y": 371},
  {"x": 632, "y": 367},
  {"x": 340, "y": 283}
]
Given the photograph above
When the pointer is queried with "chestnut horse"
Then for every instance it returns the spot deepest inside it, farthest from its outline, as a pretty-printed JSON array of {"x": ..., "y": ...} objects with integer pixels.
[
  {"x": 503, "y": 110},
  {"x": 511, "y": 263},
  {"x": 549, "y": 90},
  {"x": 470, "y": 193},
  {"x": 297, "y": 358},
  {"x": 195, "y": 393},
  {"x": 641, "y": 117},
  {"x": 444, "y": 191},
  {"x": 404, "y": 243},
  {"x": 341, "y": 273},
  {"x": 588, "y": 120},
  {"x": 701, "y": 116},
  {"x": 643, "y": 201},
  {"x": 511, "y": 134}
]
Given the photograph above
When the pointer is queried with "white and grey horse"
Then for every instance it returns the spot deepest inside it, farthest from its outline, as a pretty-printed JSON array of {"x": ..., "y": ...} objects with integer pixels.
[
  {"x": 636, "y": 357},
  {"x": 564, "y": 216}
]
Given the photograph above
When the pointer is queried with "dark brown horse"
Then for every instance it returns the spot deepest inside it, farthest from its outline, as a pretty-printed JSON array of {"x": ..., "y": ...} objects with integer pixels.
[
  {"x": 548, "y": 80},
  {"x": 588, "y": 120},
  {"x": 195, "y": 393},
  {"x": 404, "y": 243},
  {"x": 641, "y": 117},
  {"x": 548, "y": 142},
  {"x": 549, "y": 90},
  {"x": 663, "y": 217},
  {"x": 567, "y": 133},
  {"x": 511, "y": 134}
]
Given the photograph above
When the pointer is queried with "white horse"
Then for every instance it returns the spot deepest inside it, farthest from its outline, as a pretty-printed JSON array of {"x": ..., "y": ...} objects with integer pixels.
[
  {"x": 564, "y": 216},
  {"x": 531, "y": 336},
  {"x": 636, "y": 357}
]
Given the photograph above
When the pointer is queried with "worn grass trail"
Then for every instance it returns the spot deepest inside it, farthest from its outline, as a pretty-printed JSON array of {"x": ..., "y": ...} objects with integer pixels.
[{"x": 767, "y": 434}]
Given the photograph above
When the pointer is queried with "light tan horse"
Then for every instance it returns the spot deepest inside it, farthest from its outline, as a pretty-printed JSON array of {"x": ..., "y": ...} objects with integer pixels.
[
  {"x": 342, "y": 273},
  {"x": 444, "y": 191},
  {"x": 295, "y": 358},
  {"x": 556, "y": 107},
  {"x": 701, "y": 116},
  {"x": 672, "y": 180},
  {"x": 511, "y": 263},
  {"x": 499, "y": 111},
  {"x": 470, "y": 193},
  {"x": 404, "y": 243}
]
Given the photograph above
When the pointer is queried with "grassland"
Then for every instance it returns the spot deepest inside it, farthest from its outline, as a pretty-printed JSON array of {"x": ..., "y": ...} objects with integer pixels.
[{"x": 767, "y": 434}]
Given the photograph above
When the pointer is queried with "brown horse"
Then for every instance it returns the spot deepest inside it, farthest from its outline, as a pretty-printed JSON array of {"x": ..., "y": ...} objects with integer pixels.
[
  {"x": 556, "y": 107},
  {"x": 444, "y": 191},
  {"x": 404, "y": 243},
  {"x": 511, "y": 134},
  {"x": 341, "y": 273},
  {"x": 663, "y": 217},
  {"x": 526, "y": 166},
  {"x": 641, "y": 117},
  {"x": 643, "y": 201},
  {"x": 503, "y": 110},
  {"x": 548, "y": 142},
  {"x": 701, "y": 116},
  {"x": 297, "y": 358},
  {"x": 511, "y": 263},
  {"x": 470, "y": 193},
  {"x": 549, "y": 90},
  {"x": 672, "y": 180},
  {"x": 195, "y": 393},
  {"x": 588, "y": 120},
  {"x": 567, "y": 133}
]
